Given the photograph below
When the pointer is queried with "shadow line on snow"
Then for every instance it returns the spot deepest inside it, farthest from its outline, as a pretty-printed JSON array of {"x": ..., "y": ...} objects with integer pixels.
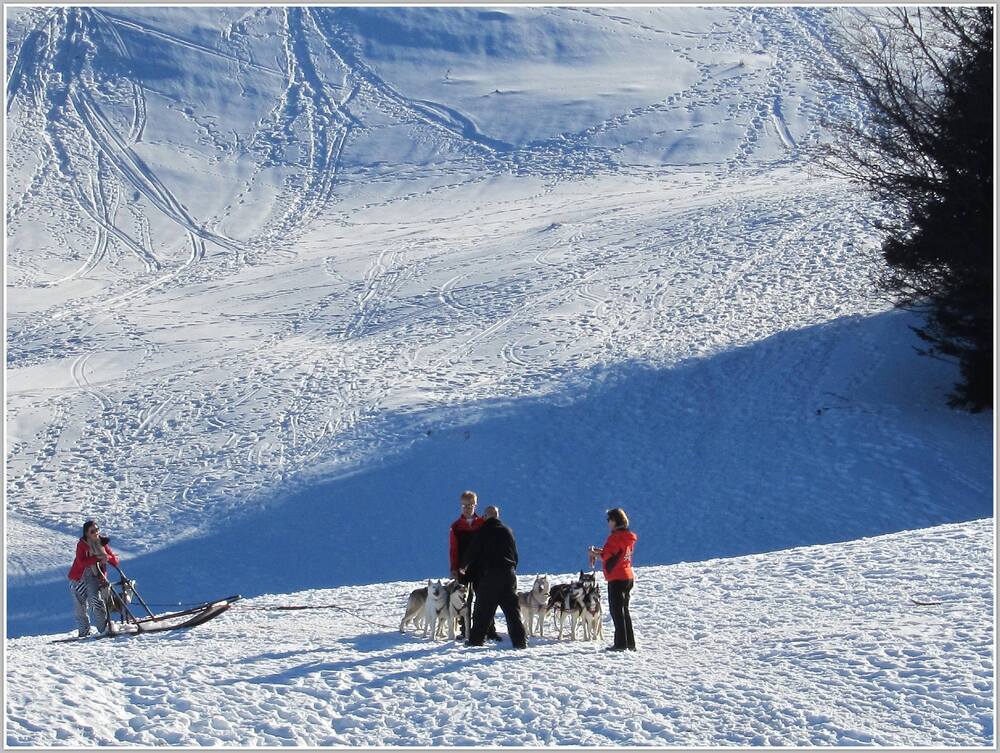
[{"x": 829, "y": 433}]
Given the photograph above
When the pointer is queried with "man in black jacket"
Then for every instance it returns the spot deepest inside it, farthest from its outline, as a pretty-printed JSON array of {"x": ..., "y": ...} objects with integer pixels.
[{"x": 492, "y": 557}]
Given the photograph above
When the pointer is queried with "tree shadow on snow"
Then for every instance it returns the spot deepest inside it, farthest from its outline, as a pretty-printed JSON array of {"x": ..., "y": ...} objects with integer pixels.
[{"x": 829, "y": 433}]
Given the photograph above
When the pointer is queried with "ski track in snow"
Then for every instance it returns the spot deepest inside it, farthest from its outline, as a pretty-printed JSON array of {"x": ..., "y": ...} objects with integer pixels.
[
  {"x": 813, "y": 646},
  {"x": 620, "y": 241}
]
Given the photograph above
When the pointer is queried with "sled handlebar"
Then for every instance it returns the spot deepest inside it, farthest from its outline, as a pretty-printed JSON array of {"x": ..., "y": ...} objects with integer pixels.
[{"x": 134, "y": 592}]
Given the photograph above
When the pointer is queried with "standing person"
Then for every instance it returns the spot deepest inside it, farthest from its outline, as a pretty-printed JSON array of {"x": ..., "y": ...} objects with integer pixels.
[
  {"x": 492, "y": 557},
  {"x": 460, "y": 535},
  {"x": 88, "y": 580},
  {"x": 616, "y": 556}
]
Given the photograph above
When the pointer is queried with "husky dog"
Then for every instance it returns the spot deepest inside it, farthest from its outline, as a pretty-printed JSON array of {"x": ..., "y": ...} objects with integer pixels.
[
  {"x": 414, "y": 613},
  {"x": 535, "y": 605},
  {"x": 590, "y": 599},
  {"x": 587, "y": 579},
  {"x": 416, "y": 608},
  {"x": 436, "y": 608},
  {"x": 592, "y": 627},
  {"x": 568, "y": 599},
  {"x": 118, "y": 602},
  {"x": 565, "y": 599},
  {"x": 457, "y": 594}
]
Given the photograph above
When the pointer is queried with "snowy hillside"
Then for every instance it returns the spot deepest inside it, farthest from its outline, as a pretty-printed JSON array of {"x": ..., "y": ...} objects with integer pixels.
[
  {"x": 288, "y": 280},
  {"x": 821, "y": 645}
]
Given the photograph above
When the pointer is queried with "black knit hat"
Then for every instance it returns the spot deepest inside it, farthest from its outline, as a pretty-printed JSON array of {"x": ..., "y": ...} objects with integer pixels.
[{"x": 86, "y": 525}]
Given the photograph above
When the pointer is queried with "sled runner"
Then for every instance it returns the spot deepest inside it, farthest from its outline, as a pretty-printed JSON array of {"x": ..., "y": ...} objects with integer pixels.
[{"x": 122, "y": 594}]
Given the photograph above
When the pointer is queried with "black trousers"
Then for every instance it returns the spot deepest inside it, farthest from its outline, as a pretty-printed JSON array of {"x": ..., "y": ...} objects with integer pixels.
[
  {"x": 618, "y": 598},
  {"x": 497, "y": 588},
  {"x": 471, "y": 599}
]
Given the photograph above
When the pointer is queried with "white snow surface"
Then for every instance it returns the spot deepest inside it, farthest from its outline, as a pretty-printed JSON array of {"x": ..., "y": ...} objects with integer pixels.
[
  {"x": 282, "y": 282},
  {"x": 810, "y": 646}
]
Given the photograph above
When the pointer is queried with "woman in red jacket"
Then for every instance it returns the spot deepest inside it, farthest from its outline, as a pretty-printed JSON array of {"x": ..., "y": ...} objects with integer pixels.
[
  {"x": 88, "y": 579},
  {"x": 616, "y": 556}
]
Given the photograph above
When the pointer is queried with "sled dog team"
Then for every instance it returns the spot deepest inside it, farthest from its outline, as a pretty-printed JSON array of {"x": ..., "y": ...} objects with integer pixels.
[
  {"x": 438, "y": 608},
  {"x": 483, "y": 558}
]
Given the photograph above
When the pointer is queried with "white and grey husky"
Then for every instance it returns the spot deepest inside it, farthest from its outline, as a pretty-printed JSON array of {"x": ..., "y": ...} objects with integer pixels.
[
  {"x": 592, "y": 613},
  {"x": 457, "y": 594},
  {"x": 417, "y": 609},
  {"x": 535, "y": 605},
  {"x": 436, "y": 608}
]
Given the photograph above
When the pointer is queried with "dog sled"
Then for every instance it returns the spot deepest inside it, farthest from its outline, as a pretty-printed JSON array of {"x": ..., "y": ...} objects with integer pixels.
[{"x": 120, "y": 598}]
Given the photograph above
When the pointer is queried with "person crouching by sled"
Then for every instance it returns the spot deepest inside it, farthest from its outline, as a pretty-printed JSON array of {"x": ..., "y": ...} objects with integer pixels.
[
  {"x": 88, "y": 579},
  {"x": 616, "y": 556},
  {"x": 460, "y": 535}
]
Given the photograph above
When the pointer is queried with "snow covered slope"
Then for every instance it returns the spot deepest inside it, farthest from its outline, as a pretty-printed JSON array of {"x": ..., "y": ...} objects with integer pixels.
[
  {"x": 820, "y": 645},
  {"x": 294, "y": 278}
]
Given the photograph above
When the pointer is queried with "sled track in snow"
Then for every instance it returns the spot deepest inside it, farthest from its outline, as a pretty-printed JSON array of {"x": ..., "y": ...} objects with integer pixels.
[
  {"x": 488, "y": 271},
  {"x": 135, "y": 171},
  {"x": 79, "y": 375}
]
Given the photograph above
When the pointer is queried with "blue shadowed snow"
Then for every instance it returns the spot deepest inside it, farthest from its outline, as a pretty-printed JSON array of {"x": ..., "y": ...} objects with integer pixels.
[{"x": 790, "y": 441}]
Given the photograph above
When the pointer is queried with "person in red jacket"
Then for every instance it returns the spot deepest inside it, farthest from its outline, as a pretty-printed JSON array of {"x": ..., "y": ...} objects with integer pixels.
[
  {"x": 616, "y": 556},
  {"x": 88, "y": 579},
  {"x": 460, "y": 535},
  {"x": 461, "y": 531}
]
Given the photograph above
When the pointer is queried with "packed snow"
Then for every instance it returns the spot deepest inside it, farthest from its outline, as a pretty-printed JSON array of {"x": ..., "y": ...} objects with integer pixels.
[
  {"x": 813, "y": 646},
  {"x": 282, "y": 282}
]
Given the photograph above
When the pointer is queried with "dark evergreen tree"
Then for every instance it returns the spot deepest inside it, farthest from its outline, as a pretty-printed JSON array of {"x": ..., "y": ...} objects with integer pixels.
[{"x": 923, "y": 78}]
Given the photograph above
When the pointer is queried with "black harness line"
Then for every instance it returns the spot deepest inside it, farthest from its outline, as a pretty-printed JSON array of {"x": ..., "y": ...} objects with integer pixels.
[{"x": 300, "y": 607}]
